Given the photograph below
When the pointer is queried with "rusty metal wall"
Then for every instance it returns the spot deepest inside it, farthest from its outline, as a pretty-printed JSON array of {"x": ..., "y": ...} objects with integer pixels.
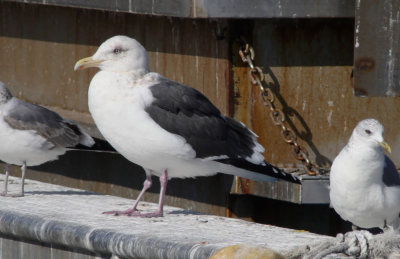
[
  {"x": 309, "y": 63},
  {"x": 216, "y": 9}
]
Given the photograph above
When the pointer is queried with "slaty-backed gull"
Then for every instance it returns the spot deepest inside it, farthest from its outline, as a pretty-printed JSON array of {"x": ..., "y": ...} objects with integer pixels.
[
  {"x": 32, "y": 135},
  {"x": 364, "y": 182},
  {"x": 169, "y": 129}
]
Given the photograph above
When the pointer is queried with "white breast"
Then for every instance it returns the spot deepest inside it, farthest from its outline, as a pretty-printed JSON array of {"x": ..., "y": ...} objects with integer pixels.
[{"x": 117, "y": 106}]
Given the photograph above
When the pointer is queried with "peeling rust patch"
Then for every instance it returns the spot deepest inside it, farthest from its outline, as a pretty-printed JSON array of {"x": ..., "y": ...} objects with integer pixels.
[
  {"x": 244, "y": 185},
  {"x": 365, "y": 64}
]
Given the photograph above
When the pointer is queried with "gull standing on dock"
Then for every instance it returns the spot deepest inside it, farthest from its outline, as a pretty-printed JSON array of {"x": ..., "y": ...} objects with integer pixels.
[
  {"x": 364, "y": 182},
  {"x": 31, "y": 135},
  {"x": 171, "y": 130}
]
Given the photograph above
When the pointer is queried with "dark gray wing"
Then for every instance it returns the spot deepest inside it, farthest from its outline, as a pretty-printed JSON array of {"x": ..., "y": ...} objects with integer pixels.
[
  {"x": 390, "y": 175},
  {"x": 48, "y": 124},
  {"x": 186, "y": 112}
]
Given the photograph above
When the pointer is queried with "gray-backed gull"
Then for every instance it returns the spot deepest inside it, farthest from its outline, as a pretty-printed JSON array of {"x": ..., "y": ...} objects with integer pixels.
[
  {"x": 169, "y": 129},
  {"x": 31, "y": 135},
  {"x": 364, "y": 182}
]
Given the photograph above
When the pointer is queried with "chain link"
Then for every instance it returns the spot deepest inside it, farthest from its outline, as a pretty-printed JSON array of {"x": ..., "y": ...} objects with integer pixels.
[{"x": 257, "y": 78}]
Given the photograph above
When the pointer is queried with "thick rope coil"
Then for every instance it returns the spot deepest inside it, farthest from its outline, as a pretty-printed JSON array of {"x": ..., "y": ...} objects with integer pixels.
[
  {"x": 356, "y": 244},
  {"x": 352, "y": 244}
]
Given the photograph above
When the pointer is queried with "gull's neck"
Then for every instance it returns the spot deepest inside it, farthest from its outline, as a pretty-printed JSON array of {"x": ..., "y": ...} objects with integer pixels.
[
  {"x": 355, "y": 143},
  {"x": 133, "y": 74},
  {"x": 363, "y": 153}
]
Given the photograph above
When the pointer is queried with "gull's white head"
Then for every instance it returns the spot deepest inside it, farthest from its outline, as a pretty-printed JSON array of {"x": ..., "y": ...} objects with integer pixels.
[
  {"x": 118, "y": 54},
  {"x": 370, "y": 132}
]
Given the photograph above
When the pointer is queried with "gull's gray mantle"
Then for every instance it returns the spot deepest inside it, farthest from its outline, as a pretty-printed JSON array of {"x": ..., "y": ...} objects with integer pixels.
[{"x": 73, "y": 219}]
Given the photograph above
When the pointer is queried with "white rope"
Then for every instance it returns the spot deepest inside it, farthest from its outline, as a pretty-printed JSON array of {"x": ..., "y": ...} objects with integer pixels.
[{"x": 356, "y": 244}]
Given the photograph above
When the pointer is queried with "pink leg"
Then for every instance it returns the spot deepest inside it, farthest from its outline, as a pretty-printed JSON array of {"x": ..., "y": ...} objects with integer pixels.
[
  {"x": 23, "y": 170},
  {"x": 159, "y": 212},
  {"x": 4, "y": 193},
  {"x": 146, "y": 185},
  {"x": 22, "y": 193}
]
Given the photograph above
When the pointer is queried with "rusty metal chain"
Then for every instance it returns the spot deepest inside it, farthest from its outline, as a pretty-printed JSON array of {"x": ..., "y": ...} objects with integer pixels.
[{"x": 256, "y": 75}]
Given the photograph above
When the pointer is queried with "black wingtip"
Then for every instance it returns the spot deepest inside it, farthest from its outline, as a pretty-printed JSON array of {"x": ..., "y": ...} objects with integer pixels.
[
  {"x": 265, "y": 169},
  {"x": 99, "y": 145}
]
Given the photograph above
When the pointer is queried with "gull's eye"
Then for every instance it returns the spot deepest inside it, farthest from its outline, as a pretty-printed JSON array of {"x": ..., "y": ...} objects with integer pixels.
[
  {"x": 117, "y": 50},
  {"x": 368, "y": 132}
]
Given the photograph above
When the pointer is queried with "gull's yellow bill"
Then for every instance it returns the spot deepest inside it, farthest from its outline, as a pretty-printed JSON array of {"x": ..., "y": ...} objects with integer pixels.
[
  {"x": 386, "y": 146},
  {"x": 86, "y": 63}
]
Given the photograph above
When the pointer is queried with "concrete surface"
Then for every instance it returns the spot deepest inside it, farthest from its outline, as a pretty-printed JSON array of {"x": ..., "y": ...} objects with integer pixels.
[{"x": 73, "y": 218}]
